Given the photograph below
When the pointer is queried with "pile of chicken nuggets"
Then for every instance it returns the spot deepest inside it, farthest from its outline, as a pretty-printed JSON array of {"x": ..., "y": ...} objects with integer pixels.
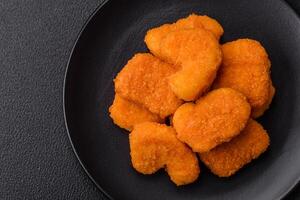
[{"x": 193, "y": 96}]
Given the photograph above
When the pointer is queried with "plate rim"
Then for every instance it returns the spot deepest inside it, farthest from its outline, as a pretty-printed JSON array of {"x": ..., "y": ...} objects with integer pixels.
[
  {"x": 86, "y": 23},
  {"x": 284, "y": 194}
]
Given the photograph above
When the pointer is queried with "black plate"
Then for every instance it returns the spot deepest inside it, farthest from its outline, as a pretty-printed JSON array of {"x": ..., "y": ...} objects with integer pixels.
[{"x": 115, "y": 33}]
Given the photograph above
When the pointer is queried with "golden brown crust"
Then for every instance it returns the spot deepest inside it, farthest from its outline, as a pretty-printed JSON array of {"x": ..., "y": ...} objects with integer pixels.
[
  {"x": 154, "y": 146},
  {"x": 198, "y": 54},
  {"x": 156, "y": 35},
  {"x": 251, "y": 80},
  {"x": 227, "y": 158},
  {"x": 245, "y": 51},
  {"x": 257, "y": 112},
  {"x": 192, "y": 44},
  {"x": 126, "y": 114},
  {"x": 215, "y": 118},
  {"x": 246, "y": 68},
  {"x": 144, "y": 80}
]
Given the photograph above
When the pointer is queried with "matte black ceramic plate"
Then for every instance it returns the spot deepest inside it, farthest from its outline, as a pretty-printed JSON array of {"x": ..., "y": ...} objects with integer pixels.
[{"x": 115, "y": 33}]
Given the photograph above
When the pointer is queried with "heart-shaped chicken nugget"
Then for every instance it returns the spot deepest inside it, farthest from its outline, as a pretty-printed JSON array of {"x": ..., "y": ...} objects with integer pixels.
[
  {"x": 192, "y": 44},
  {"x": 144, "y": 80},
  {"x": 199, "y": 56},
  {"x": 246, "y": 68},
  {"x": 154, "y": 146},
  {"x": 215, "y": 118}
]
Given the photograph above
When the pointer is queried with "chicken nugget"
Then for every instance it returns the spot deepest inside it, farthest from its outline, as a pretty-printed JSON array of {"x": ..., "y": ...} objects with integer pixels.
[
  {"x": 227, "y": 158},
  {"x": 154, "y": 146},
  {"x": 243, "y": 51},
  {"x": 215, "y": 118},
  {"x": 144, "y": 80},
  {"x": 154, "y": 36},
  {"x": 246, "y": 68},
  {"x": 126, "y": 114},
  {"x": 199, "y": 56},
  {"x": 252, "y": 80}
]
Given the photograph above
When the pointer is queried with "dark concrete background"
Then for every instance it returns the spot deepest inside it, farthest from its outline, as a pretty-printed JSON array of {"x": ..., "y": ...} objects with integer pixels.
[{"x": 36, "y": 158}]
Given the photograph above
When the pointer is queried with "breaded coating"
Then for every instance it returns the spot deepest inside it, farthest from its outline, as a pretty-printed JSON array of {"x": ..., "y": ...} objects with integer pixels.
[
  {"x": 154, "y": 146},
  {"x": 199, "y": 21},
  {"x": 260, "y": 111},
  {"x": 199, "y": 56},
  {"x": 126, "y": 114},
  {"x": 156, "y": 35},
  {"x": 251, "y": 80},
  {"x": 215, "y": 118},
  {"x": 144, "y": 80},
  {"x": 209, "y": 24},
  {"x": 227, "y": 158},
  {"x": 192, "y": 44},
  {"x": 246, "y": 68},
  {"x": 243, "y": 51}
]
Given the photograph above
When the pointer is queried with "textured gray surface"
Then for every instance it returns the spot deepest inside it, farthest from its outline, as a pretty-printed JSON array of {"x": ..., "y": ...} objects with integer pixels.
[{"x": 36, "y": 159}]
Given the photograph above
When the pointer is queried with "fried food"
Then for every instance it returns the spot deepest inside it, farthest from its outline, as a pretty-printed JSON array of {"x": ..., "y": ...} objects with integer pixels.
[
  {"x": 144, "y": 80},
  {"x": 156, "y": 35},
  {"x": 198, "y": 54},
  {"x": 227, "y": 158},
  {"x": 154, "y": 146},
  {"x": 192, "y": 44},
  {"x": 246, "y": 68},
  {"x": 191, "y": 95},
  {"x": 126, "y": 114},
  {"x": 244, "y": 51},
  {"x": 251, "y": 80},
  {"x": 215, "y": 118},
  {"x": 208, "y": 24}
]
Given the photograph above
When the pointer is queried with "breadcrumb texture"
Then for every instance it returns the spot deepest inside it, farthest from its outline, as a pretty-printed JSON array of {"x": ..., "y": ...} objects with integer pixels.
[
  {"x": 144, "y": 80},
  {"x": 246, "y": 68},
  {"x": 154, "y": 146},
  {"x": 192, "y": 44},
  {"x": 126, "y": 114},
  {"x": 198, "y": 54},
  {"x": 215, "y": 118},
  {"x": 156, "y": 35},
  {"x": 245, "y": 51},
  {"x": 226, "y": 159},
  {"x": 260, "y": 111}
]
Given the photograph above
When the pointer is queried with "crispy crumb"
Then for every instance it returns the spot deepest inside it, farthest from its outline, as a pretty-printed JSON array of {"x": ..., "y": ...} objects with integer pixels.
[
  {"x": 226, "y": 159},
  {"x": 215, "y": 118},
  {"x": 154, "y": 146}
]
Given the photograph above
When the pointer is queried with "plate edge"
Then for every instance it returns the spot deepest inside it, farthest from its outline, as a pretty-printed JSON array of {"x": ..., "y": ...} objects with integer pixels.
[{"x": 106, "y": 195}]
